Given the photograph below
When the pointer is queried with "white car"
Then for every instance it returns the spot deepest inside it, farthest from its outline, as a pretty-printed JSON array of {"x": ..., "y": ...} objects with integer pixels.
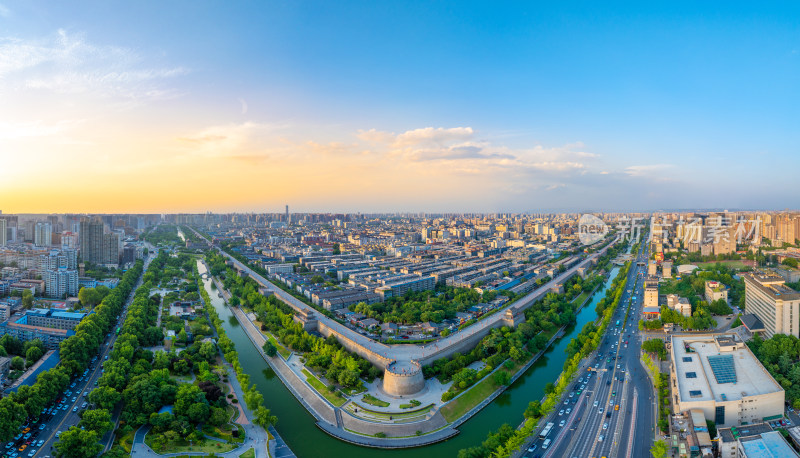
[
  {"x": 563, "y": 422},
  {"x": 560, "y": 412},
  {"x": 600, "y": 439},
  {"x": 605, "y": 425}
]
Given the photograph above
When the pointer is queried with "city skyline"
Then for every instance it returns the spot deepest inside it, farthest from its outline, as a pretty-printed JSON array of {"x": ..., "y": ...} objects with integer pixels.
[{"x": 359, "y": 107}]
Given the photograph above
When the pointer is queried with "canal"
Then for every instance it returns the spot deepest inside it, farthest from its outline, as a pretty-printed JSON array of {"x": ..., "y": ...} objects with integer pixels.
[{"x": 297, "y": 426}]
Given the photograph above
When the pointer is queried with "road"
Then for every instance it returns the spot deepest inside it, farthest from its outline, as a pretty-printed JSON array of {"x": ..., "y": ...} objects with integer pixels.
[
  {"x": 593, "y": 427},
  {"x": 63, "y": 419},
  {"x": 407, "y": 352}
]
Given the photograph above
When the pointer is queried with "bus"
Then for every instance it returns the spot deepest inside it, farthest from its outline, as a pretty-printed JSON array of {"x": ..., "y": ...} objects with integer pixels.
[{"x": 546, "y": 430}]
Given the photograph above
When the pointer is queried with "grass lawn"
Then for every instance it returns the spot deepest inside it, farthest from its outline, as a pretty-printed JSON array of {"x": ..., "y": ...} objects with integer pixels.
[
  {"x": 372, "y": 400},
  {"x": 732, "y": 264},
  {"x": 334, "y": 398},
  {"x": 182, "y": 446},
  {"x": 233, "y": 412},
  {"x": 126, "y": 441},
  {"x": 472, "y": 397},
  {"x": 248, "y": 454},
  {"x": 355, "y": 390},
  {"x": 222, "y": 433},
  {"x": 581, "y": 297},
  {"x": 385, "y": 415},
  {"x": 281, "y": 349},
  {"x": 413, "y": 403}
]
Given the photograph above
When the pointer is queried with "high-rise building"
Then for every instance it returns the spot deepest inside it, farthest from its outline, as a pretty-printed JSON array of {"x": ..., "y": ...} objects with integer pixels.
[
  {"x": 112, "y": 248},
  {"x": 91, "y": 238},
  {"x": 774, "y": 303},
  {"x": 3, "y": 229},
  {"x": 69, "y": 240},
  {"x": 43, "y": 234},
  {"x": 61, "y": 282}
]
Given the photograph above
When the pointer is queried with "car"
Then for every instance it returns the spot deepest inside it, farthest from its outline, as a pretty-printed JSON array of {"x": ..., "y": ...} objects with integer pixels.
[
  {"x": 572, "y": 394},
  {"x": 26, "y": 430},
  {"x": 562, "y": 423},
  {"x": 605, "y": 425},
  {"x": 566, "y": 402},
  {"x": 595, "y": 403},
  {"x": 560, "y": 412},
  {"x": 600, "y": 411},
  {"x": 613, "y": 393},
  {"x": 532, "y": 448},
  {"x": 22, "y": 447},
  {"x": 600, "y": 439},
  {"x": 568, "y": 411},
  {"x": 42, "y": 426},
  {"x": 40, "y": 443},
  {"x": 75, "y": 409}
]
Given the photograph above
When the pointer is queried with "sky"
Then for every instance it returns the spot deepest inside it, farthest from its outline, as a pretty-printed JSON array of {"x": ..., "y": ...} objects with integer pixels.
[{"x": 187, "y": 106}]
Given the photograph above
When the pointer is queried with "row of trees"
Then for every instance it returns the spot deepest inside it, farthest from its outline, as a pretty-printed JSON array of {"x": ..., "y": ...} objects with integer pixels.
[
  {"x": 252, "y": 397},
  {"x": 76, "y": 352}
]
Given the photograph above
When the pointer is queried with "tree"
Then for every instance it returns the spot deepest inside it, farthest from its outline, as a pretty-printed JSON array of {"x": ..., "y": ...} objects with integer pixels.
[
  {"x": 533, "y": 410},
  {"x": 89, "y": 297},
  {"x": 33, "y": 355},
  {"x": 208, "y": 351},
  {"x": 27, "y": 299},
  {"x": 791, "y": 262},
  {"x": 98, "y": 420},
  {"x": 191, "y": 403},
  {"x": 12, "y": 415},
  {"x": 501, "y": 377},
  {"x": 218, "y": 417},
  {"x": 264, "y": 418},
  {"x": 78, "y": 443},
  {"x": 17, "y": 363},
  {"x": 659, "y": 449},
  {"x": 182, "y": 336},
  {"x": 270, "y": 349},
  {"x": 104, "y": 397}
]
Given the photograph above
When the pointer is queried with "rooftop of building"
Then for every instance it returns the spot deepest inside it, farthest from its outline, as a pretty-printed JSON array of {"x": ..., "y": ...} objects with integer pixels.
[
  {"x": 733, "y": 433},
  {"x": 768, "y": 445},
  {"x": 718, "y": 369},
  {"x": 752, "y": 323},
  {"x": 771, "y": 284},
  {"x": 714, "y": 285}
]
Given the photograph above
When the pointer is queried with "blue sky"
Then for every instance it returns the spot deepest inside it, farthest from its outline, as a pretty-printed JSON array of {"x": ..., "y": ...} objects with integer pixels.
[{"x": 460, "y": 106}]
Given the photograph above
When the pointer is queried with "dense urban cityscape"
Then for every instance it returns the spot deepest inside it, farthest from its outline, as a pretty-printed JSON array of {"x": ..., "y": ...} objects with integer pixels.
[
  {"x": 439, "y": 229},
  {"x": 126, "y": 334}
]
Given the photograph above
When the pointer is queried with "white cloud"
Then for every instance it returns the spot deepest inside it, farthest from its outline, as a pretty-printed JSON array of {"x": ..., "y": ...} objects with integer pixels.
[
  {"x": 4, "y": 11},
  {"x": 10, "y": 131},
  {"x": 647, "y": 170},
  {"x": 425, "y": 135},
  {"x": 68, "y": 64}
]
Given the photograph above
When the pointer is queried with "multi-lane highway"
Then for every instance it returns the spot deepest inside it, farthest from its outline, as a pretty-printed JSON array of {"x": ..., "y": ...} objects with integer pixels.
[
  {"x": 66, "y": 411},
  {"x": 609, "y": 409}
]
